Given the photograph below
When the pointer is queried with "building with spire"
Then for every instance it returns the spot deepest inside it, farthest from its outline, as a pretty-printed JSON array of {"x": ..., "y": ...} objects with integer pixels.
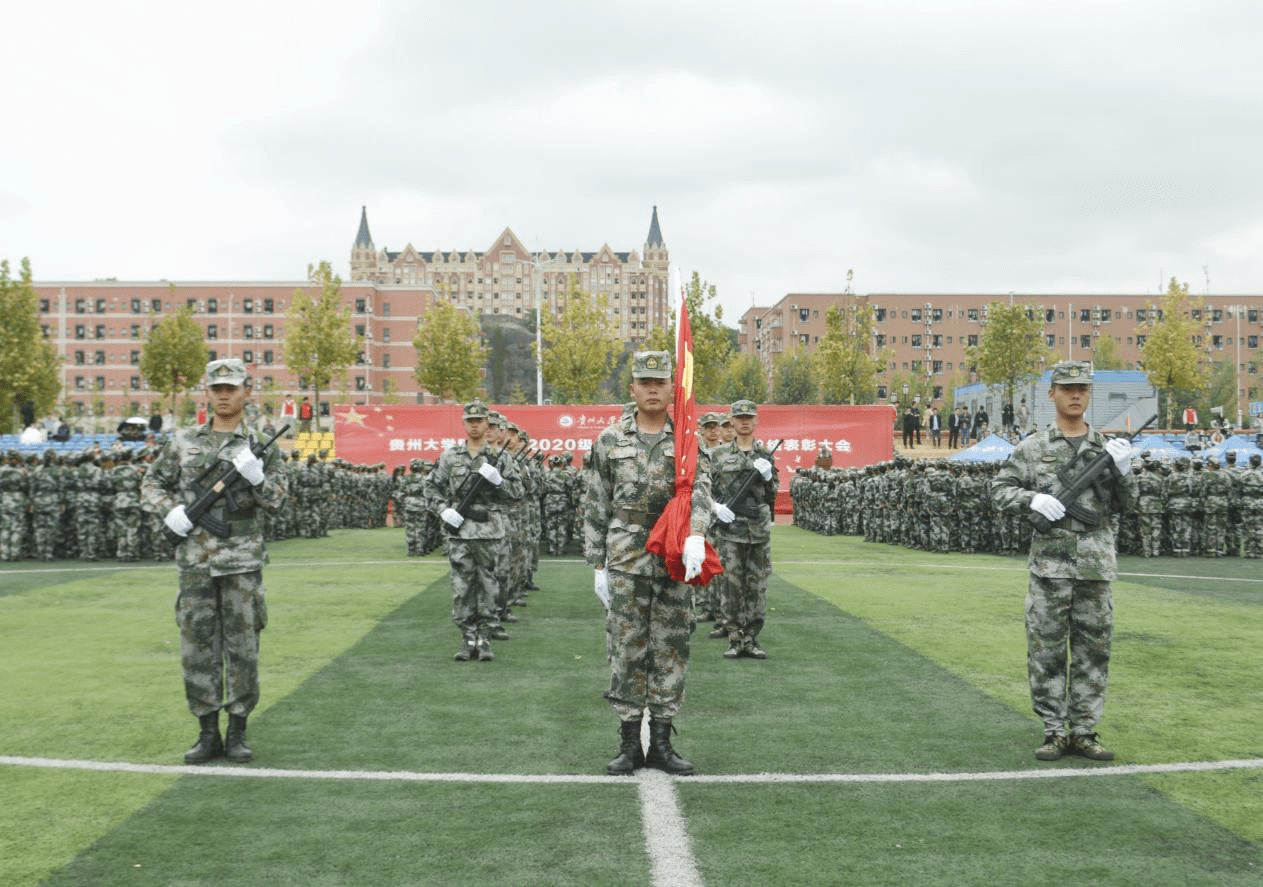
[{"x": 507, "y": 278}]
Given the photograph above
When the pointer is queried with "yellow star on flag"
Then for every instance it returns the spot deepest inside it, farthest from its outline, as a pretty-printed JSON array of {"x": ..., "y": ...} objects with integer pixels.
[
  {"x": 687, "y": 383},
  {"x": 352, "y": 416}
]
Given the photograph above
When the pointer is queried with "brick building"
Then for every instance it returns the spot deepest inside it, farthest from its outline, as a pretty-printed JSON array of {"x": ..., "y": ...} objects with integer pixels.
[
  {"x": 507, "y": 278},
  {"x": 928, "y": 333}
]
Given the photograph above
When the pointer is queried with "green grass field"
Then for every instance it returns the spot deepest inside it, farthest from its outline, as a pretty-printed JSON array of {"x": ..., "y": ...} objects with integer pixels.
[{"x": 886, "y": 667}]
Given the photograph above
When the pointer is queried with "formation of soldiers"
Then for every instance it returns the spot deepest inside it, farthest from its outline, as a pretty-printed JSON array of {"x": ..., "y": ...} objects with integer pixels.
[
  {"x": 86, "y": 505},
  {"x": 1189, "y": 507}
]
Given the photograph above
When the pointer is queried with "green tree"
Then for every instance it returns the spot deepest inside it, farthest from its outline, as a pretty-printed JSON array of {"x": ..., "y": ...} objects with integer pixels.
[
  {"x": 517, "y": 395},
  {"x": 712, "y": 341},
  {"x": 450, "y": 353},
  {"x": 1012, "y": 350},
  {"x": 744, "y": 379},
  {"x": 174, "y": 357},
  {"x": 319, "y": 342},
  {"x": 920, "y": 389},
  {"x": 1105, "y": 356},
  {"x": 848, "y": 361},
  {"x": 29, "y": 366},
  {"x": 579, "y": 345},
  {"x": 794, "y": 378},
  {"x": 1170, "y": 354}
]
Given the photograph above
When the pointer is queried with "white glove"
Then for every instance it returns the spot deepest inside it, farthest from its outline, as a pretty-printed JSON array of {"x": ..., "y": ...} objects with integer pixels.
[
  {"x": 249, "y": 466},
  {"x": 763, "y": 467},
  {"x": 452, "y": 518},
  {"x": 693, "y": 557},
  {"x": 1119, "y": 449},
  {"x": 601, "y": 585},
  {"x": 724, "y": 513},
  {"x": 491, "y": 473},
  {"x": 178, "y": 521},
  {"x": 1049, "y": 506}
]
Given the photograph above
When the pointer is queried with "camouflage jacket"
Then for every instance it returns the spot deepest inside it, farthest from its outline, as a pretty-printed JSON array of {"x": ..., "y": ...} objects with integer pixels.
[
  {"x": 1069, "y": 550},
  {"x": 169, "y": 482},
  {"x": 445, "y": 483},
  {"x": 729, "y": 467},
  {"x": 628, "y": 482}
]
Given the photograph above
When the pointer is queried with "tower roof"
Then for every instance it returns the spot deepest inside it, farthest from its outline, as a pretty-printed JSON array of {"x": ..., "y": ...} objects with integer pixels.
[
  {"x": 363, "y": 238},
  {"x": 655, "y": 233}
]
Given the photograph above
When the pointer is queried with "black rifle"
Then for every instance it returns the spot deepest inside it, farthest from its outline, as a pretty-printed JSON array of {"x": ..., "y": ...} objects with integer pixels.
[
  {"x": 470, "y": 491},
  {"x": 215, "y": 483},
  {"x": 1092, "y": 475},
  {"x": 737, "y": 506}
]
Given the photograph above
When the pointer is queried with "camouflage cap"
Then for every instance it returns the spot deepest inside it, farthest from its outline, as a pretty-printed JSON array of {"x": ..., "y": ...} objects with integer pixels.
[
  {"x": 1072, "y": 372},
  {"x": 651, "y": 365},
  {"x": 476, "y": 409},
  {"x": 709, "y": 419},
  {"x": 743, "y": 408},
  {"x": 495, "y": 419},
  {"x": 227, "y": 371},
  {"x": 725, "y": 418}
]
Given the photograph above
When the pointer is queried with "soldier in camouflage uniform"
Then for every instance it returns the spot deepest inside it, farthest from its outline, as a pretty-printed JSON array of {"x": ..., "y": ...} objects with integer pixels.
[
  {"x": 221, "y": 606},
  {"x": 1232, "y": 534},
  {"x": 13, "y": 506},
  {"x": 1251, "y": 498},
  {"x": 1152, "y": 488},
  {"x": 46, "y": 506},
  {"x": 629, "y": 480},
  {"x": 1182, "y": 491},
  {"x": 743, "y": 530},
  {"x": 1069, "y": 596},
  {"x": 556, "y": 505},
  {"x": 475, "y": 537},
  {"x": 1216, "y": 493},
  {"x": 410, "y": 494},
  {"x": 127, "y": 512}
]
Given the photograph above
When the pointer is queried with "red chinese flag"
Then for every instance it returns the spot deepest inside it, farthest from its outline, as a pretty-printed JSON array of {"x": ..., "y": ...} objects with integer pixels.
[{"x": 666, "y": 539}]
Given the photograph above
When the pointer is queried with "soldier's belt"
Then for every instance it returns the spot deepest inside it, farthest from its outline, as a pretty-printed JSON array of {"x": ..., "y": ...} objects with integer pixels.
[
  {"x": 637, "y": 516},
  {"x": 1074, "y": 525}
]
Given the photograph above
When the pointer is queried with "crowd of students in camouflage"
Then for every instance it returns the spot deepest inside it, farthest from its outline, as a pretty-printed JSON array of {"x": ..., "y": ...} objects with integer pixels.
[
  {"x": 86, "y": 505},
  {"x": 1189, "y": 507}
]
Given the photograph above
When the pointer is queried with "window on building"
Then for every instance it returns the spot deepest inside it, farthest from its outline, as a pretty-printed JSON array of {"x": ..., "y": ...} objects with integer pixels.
[
  {"x": 135, "y": 383},
  {"x": 1217, "y": 315},
  {"x": 212, "y": 306},
  {"x": 1050, "y": 314},
  {"x": 385, "y": 309},
  {"x": 386, "y": 333},
  {"x": 1252, "y": 315},
  {"x": 155, "y": 305},
  {"x": 360, "y": 306},
  {"x": 247, "y": 355},
  {"x": 79, "y": 383},
  {"x": 1050, "y": 341},
  {"x": 267, "y": 330},
  {"x": 916, "y": 341},
  {"x": 191, "y": 304},
  {"x": 972, "y": 315},
  {"x": 880, "y": 338},
  {"x": 1106, "y": 315},
  {"x": 267, "y": 306},
  {"x": 1085, "y": 341},
  {"x": 212, "y": 331},
  {"x": 80, "y": 358},
  {"x": 916, "y": 313},
  {"x": 1140, "y": 341},
  {"x": 936, "y": 366},
  {"x": 804, "y": 314},
  {"x": 267, "y": 358},
  {"x": 247, "y": 331},
  {"x": 359, "y": 329},
  {"x": 79, "y": 306},
  {"x": 1196, "y": 313},
  {"x": 359, "y": 383},
  {"x": 936, "y": 341},
  {"x": 1085, "y": 315},
  {"x": 100, "y": 331},
  {"x": 135, "y": 357},
  {"x": 81, "y": 331},
  {"x": 247, "y": 306},
  {"x": 100, "y": 383},
  {"x": 100, "y": 306},
  {"x": 1141, "y": 314},
  {"x": 879, "y": 314},
  {"x": 135, "y": 331},
  {"x": 937, "y": 314},
  {"x": 1217, "y": 342},
  {"x": 99, "y": 358},
  {"x": 1252, "y": 341},
  {"x": 135, "y": 306},
  {"x": 44, "y": 306},
  {"x": 212, "y": 354},
  {"x": 972, "y": 341},
  {"x": 386, "y": 361}
]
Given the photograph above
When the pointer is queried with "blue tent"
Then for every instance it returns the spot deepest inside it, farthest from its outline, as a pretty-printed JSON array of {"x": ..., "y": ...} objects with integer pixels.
[
  {"x": 1158, "y": 447},
  {"x": 1239, "y": 444},
  {"x": 992, "y": 449}
]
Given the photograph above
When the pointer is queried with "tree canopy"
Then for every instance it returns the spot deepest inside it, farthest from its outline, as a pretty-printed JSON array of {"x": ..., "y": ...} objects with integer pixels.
[
  {"x": 175, "y": 354},
  {"x": 744, "y": 379},
  {"x": 712, "y": 341},
  {"x": 319, "y": 342},
  {"x": 794, "y": 378},
  {"x": 450, "y": 353},
  {"x": 29, "y": 366},
  {"x": 848, "y": 361},
  {"x": 1170, "y": 355},
  {"x": 580, "y": 345},
  {"x": 1011, "y": 350}
]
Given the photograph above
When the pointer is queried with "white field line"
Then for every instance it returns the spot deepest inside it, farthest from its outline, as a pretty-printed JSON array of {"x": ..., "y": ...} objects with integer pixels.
[
  {"x": 732, "y": 778},
  {"x": 666, "y": 833}
]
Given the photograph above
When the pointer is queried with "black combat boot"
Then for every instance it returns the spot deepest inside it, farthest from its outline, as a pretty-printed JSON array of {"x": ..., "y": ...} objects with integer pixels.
[
  {"x": 661, "y": 754},
  {"x": 630, "y": 755},
  {"x": 208, "y": 746},
  {"x": 236, "y": 749}
]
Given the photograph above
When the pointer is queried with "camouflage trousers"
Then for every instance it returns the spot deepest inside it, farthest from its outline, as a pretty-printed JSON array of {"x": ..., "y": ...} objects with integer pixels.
[
  {"x": 474, "y": 584},
  {"x": 1150, "y": 533},
  {"x": 650, "y": 623},
  {"x": 220, "y": 618},
  {"x": 1075, "y": 615},
  {"x": 1252, "y": 533},
  {"x": 743, "y": 586},
  {"x": 128, "y": 522},
  {"x": 1181, "y": 526},
  {"x": 12, "y": 527}
]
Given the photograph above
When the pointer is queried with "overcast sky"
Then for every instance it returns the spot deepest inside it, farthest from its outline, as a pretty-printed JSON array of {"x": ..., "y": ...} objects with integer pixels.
[{"x": 936, "y": 146}]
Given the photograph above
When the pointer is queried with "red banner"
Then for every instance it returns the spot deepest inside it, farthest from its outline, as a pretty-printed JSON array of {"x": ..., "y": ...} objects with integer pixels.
[{"x": 395, "y": 433}]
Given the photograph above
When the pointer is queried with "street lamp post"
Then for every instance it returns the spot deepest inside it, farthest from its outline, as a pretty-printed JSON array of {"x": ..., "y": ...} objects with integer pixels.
[{"x": 539, "y": 325}]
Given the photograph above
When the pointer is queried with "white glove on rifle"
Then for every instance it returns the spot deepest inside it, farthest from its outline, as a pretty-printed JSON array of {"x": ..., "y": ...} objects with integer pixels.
[
  {"x": 452, "y": 518},
  {"x": 694, "y": 555},
  {"x": 763, "y": 467},
  {"x": 178, "y": 521},
  {"x": 601, "y": 585},
  {"x": 491, "y": 473},
  {"x": 724, "y": 513},
  {"x": 1119, "y": 449},
  {"x": 249, "y": 466},
  {"x": 1049, "y": 506}
]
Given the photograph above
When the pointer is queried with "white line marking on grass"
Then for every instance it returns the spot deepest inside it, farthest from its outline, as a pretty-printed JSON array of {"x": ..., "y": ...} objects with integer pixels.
[
  {"x": 666, "y": 835},
  {"x": 734, "y": 778},
  {"x": 976, "y": 567}
]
